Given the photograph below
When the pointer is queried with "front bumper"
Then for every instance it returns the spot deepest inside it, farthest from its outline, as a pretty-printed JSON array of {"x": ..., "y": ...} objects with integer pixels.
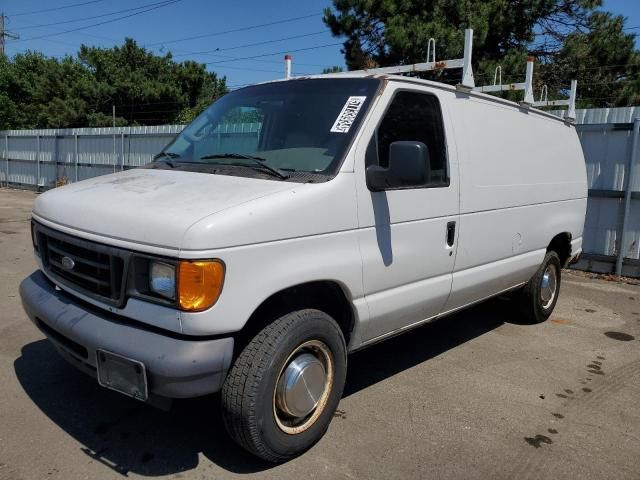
[{"x": 177, "y": 366}]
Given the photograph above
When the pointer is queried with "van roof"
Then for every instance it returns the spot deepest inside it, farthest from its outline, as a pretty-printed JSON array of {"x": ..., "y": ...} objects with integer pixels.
[{"x": 429, "y": 83}]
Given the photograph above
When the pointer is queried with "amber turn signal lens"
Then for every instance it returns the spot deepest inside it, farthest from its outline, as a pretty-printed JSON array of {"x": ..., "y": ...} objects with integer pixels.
[{"x": 199, "y": 284}]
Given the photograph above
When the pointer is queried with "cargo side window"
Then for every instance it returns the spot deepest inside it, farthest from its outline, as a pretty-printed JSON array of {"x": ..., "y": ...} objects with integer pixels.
[{"x": 414, "y": 117}]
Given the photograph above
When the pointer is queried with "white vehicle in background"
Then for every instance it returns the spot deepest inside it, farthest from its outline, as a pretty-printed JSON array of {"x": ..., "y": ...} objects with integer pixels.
[{"x": 252, "y": 265}]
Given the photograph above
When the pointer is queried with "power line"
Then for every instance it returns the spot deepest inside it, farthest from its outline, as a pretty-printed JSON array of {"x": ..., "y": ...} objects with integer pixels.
[
  {"x": 236, "y": 47},
  {"x": 250, "y": 69},
  {"x": 264, "y": 61},
  {"x": 281, "y": 72},
  {"x": 115, "y": 12},
  {"x": 55, "y": 8},
  {"x": 241, "y": 29},
  {"x": 162, "y": 4},
  {"x": 274, "y": 53}
]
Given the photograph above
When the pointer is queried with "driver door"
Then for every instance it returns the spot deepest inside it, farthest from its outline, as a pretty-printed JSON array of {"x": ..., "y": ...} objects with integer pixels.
[{"x": 407, "y": 235}]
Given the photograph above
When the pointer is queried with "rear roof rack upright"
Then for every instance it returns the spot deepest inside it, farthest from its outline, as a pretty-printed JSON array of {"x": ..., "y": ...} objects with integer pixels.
[
  {"x": 431, "y": 64},
  {"x": 468, "y": 84}
]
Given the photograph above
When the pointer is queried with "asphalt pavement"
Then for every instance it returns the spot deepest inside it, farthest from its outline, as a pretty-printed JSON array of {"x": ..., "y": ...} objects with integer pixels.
[{"x": 475, "y": 395}]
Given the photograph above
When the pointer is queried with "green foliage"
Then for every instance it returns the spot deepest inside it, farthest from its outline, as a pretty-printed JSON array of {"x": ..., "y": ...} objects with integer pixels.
[
  {"x": 569, "y": 38},
  {"x": 603, "y": 60},
  {"x": 334, "y": 69},
  {"x": 147, "y": 89}
]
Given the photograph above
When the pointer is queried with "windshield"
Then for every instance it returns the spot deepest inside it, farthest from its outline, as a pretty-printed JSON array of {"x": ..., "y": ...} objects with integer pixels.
[{"x": 297, "y": 126}]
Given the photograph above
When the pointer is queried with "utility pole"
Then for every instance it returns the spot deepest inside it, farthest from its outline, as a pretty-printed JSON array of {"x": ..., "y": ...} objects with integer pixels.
[{"x": 5, "y": 34}]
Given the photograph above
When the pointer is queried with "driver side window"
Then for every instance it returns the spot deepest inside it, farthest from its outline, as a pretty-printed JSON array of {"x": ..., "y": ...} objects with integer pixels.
[{"x": 413, "y": 117}]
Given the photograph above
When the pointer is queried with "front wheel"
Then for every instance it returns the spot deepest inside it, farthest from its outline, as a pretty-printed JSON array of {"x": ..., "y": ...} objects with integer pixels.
[
  {"x": 284, "y": 387},
  {"x": 539, "y": 296}
]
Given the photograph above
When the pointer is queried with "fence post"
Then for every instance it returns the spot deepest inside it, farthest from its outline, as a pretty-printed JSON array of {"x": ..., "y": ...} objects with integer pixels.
[
  {"x": 627, "y": 194},
  {"x": 122, "y": 151},
  {"x": 115, "y": 155},
  {"x": 6, "y": 156},
  {"x": 38, "y": 164},
  {"x": 75, "y": 154}
]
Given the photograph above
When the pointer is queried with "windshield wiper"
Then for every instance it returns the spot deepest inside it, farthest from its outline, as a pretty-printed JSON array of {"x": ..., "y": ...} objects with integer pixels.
[
  {"x": 168, "y": 160},
  {"x": 258, "y": 161}
]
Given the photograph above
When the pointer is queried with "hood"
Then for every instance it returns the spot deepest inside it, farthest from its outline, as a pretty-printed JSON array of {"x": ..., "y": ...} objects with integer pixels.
[{"x": 153, "y": 207}]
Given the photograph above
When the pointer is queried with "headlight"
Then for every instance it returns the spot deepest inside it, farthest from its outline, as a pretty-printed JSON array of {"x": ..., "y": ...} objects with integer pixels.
[
  {"x": 199, "y": 284},
  {"x": 162, "y": 279}
]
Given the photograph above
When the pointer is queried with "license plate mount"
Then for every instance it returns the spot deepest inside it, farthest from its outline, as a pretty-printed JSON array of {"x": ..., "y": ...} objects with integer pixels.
[{"x": 122, "y": 374}]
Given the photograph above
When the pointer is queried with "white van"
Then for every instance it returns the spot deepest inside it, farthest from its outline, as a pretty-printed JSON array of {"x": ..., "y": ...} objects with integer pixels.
[{"x": 252, "y": 261}]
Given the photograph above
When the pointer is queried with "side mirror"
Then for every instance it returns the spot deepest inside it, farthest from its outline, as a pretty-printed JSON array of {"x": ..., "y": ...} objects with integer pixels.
[{"x": 408, "y": 167}]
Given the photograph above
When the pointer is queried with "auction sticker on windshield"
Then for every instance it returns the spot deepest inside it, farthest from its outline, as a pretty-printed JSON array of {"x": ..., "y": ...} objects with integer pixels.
[{"x": 348, "y": 114}]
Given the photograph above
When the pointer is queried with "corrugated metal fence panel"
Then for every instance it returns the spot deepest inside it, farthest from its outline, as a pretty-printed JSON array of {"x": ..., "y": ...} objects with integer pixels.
[
  {"x": 67, "y": 155},
  {"x": 101, "y": 150},
  {"x": 23, "y": 173},
  {"x": 602, "y": 115},
  {"x": 601, "y": 225},
  {"x": 140, "y": 149},
  {"x": 607, "y": 155},
  {"x": 607, "y": 149},
  {"x": 23, "y": 148},
  {"x": 144, "y": 130}
]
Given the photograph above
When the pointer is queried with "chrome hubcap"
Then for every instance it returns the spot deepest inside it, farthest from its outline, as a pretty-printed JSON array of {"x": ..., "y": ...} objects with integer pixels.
[
  {"x": 548, "y": 286},
  {"x": 303, "y": 387}
]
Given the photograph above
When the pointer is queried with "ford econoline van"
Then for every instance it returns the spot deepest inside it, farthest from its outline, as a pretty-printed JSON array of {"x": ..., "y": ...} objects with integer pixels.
[{"x": 294, "y": 222}]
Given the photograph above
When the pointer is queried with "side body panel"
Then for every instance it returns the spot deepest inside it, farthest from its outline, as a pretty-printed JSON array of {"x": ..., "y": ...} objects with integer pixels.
[
  {"x": 523, "y": 181},
  {"x": 407, "y": 263}
]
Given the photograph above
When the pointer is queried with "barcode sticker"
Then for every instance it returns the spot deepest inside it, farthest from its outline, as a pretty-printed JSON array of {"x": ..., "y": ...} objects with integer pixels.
[{"x": 348, "y": 114}]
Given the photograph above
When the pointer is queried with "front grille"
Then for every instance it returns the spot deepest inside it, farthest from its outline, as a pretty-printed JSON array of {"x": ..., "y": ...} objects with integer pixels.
[{"x": 91, "y": 268}]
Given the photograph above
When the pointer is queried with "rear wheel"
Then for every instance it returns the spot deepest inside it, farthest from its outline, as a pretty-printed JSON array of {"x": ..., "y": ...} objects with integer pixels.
[
  {"x": 284, "y": 387},
  {"x": 539, "y": 296}
]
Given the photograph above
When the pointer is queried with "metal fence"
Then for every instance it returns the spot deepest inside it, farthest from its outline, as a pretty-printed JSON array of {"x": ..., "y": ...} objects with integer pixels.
[
  {"x": 43, "y": 159},
  {"x": 612, "y": 226}
]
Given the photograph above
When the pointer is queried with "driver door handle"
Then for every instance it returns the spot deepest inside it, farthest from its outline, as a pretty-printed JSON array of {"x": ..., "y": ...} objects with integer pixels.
[{"x": 451, "y": 233}]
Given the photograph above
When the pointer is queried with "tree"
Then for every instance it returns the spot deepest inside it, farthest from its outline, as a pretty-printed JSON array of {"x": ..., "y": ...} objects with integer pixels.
[
  {"x": 334, "y": 69},
  {"x": 603, "y": 59},
  {"x": 41, "y": 92},
  {"x": 148, "y": 88},
  {"x": 570, "y": 34}
]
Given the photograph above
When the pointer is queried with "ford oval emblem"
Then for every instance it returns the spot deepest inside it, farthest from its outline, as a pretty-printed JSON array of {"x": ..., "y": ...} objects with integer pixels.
[{"x": 67, "y": 263}]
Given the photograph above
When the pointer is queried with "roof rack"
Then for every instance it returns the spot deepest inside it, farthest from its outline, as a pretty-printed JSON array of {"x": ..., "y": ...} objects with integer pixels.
[
  {"x": 570, "y": 102},
  {"x": 468, "y": 84},
  {"x": 431, "y": 64}
]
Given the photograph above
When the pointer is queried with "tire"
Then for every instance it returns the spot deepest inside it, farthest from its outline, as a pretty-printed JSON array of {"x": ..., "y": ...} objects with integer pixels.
[
  {"x": 255, "y": 410},
  {"x": 539, "y": 296}
]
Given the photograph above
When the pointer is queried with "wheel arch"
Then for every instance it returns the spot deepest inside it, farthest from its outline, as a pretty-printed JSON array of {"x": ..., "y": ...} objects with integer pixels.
[
  {"x": 561, "y": 244},
  {"x": 328, "y": 296}
]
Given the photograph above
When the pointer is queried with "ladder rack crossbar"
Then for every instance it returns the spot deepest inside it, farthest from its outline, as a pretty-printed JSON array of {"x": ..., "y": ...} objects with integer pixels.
[
  {"x": 501, "y": 88},
  {"x": 415, "y": 67},
  {"x": 551, "y": 103}
]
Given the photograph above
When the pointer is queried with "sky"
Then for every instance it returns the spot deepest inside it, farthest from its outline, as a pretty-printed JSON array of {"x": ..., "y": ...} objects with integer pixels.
[{"x": 227, "y": 32}]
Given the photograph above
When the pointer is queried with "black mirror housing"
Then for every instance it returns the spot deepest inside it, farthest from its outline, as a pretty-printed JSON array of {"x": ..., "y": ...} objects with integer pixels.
[{"x": 408, "y": 167}]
